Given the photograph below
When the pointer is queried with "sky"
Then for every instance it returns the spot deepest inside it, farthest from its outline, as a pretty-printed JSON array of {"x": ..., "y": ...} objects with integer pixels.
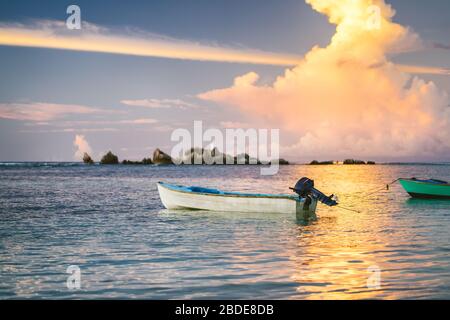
[{"x": 137, "y": 70}]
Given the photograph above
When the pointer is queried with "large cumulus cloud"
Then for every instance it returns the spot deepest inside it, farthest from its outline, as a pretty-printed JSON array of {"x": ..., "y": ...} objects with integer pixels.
[{"x": 349, "y": 99}]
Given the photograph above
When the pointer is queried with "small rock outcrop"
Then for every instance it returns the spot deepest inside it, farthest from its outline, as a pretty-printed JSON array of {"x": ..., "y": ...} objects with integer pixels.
[
  {"x": 245, "y": 158},
  {"x": 109, "y": 158},
  {"x": 283, "y": 162},
  {"x": 87, "y": 159},
  {"x": 160, "y": 157},
  {"x": 353, "y": 161},
  {"x": 316, "y": 163},
  {"x": 145, "y": 161},
  {"x": 215, "y": 157}
]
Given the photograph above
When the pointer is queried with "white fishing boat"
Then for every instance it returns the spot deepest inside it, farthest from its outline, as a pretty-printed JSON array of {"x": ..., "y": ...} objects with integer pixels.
[{"x": 304, "y": 203}]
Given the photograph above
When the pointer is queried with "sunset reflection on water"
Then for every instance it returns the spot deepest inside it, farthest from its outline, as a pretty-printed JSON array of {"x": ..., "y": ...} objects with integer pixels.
[{"x": 126, "y": 245}]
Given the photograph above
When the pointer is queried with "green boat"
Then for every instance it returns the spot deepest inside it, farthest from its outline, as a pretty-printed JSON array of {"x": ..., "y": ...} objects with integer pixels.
[{"x": 426, "y": 189}]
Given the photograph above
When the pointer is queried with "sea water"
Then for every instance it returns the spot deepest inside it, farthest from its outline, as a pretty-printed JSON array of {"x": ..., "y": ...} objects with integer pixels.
[{"x": 108, "y": 222}]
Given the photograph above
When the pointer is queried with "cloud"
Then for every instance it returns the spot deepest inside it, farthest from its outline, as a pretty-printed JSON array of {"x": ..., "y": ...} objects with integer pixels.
[
  {"x": 424, "y": 70},
  {"x": 78, "y": 123},
  {"x": 39, "y": 111},
  {"x": 67, "y": 130},
  {"x": 140, "y": 121},
  {"x": 93, "y": 38},
  {"x": 443, "y": 46},
  {"x": 348, "y": 99},
  {"x": 53, "y": 34},
  {"x": 87, "y": 125},
  {"x": 234, "y": 124},
  {"x": 159, "y": 103},
  {"x": 82, "y": 146}
]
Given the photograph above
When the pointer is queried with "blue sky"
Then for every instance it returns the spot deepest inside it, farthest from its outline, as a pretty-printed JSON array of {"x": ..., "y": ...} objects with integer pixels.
[{"x": 103, "y": 80}]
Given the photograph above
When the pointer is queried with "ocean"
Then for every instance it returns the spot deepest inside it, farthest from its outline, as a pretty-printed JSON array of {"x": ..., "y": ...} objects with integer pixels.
[{"x": 108, "y": 221}]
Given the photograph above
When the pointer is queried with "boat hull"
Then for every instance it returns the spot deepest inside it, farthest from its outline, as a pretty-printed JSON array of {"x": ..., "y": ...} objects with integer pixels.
[
  {"x": 424, "y": 190},
  {"x": 180, "y": 200}
]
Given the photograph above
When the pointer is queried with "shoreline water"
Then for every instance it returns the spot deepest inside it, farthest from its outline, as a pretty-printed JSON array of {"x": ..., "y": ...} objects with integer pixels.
[
  {"x": 109, "y": 221},
  {"x": 79, "y": 163}
]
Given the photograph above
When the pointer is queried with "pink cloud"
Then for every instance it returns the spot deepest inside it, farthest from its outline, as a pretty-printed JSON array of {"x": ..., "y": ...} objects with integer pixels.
[
  {"x": 41, "y": 112},
  {"x": 348, "y": 99},
  {"x": 159, "y": 103}
]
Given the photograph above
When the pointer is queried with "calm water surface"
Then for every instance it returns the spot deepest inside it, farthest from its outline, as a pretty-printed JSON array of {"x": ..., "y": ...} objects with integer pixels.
[{"x": 110, "y": 222}]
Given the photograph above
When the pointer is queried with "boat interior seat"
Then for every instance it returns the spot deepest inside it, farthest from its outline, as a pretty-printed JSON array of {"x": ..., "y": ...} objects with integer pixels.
[{"x": 205, "y": 190}]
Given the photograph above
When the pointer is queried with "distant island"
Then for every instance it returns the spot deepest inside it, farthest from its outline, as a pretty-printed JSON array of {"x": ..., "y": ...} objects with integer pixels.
[
  {"x": 194, "y": 156},
  {"x": 346, "y": 161}
]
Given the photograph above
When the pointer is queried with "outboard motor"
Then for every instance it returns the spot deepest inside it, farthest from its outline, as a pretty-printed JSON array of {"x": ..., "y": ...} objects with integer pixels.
[{"x": 305, "y": 188}]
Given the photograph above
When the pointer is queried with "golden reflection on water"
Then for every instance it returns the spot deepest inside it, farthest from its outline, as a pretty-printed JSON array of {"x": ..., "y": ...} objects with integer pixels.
[
  {"x": 330, "y": 258},
  {"x": 338, "y": 267},
  {"x": 133, "y": 249}
]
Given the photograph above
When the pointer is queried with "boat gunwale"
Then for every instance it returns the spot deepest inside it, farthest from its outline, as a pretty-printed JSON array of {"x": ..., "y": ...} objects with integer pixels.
[
  {"x": 162, "y": 184},
  {"x": 423, "y": 182}
]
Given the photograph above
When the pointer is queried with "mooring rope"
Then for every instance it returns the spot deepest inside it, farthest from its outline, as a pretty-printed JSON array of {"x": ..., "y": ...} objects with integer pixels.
[
  {"x": 386, "y": 187},
  {"x": 348, "y": 209},
  {"x": 381, "y": 189}
]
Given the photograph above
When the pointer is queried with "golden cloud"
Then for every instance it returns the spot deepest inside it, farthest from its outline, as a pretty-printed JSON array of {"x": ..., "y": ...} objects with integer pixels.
[
  {"x": 348, "y": 99},
  {"x": 53, "y": 34}
]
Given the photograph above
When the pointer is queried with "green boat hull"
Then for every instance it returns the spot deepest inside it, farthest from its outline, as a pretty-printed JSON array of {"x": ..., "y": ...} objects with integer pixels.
[{"x": 425, "y": 190}]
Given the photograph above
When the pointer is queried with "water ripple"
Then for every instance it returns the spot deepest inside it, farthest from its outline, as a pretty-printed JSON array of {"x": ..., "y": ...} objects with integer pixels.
[{"x": 109, "y": 221}]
